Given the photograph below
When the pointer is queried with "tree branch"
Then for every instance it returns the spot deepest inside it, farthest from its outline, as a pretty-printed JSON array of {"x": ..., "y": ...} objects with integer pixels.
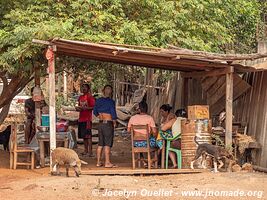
[{"x": 4, "y": 113}]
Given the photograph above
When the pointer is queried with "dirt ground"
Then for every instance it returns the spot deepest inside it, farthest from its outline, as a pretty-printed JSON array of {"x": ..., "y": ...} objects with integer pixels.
[{"x": 38, "y": 184}]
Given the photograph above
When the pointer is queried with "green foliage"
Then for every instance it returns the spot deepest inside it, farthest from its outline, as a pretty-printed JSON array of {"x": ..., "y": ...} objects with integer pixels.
[
  {"x": 211, "y": 25},
  {"x": 61, "y": 102}
]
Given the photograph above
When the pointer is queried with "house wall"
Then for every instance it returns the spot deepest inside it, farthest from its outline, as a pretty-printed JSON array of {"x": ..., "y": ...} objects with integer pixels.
[{"x": 252, "y": 108}]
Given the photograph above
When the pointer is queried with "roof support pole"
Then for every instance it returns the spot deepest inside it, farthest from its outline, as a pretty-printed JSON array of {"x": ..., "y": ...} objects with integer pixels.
[
  {"x": 65, "y": 81},
  {"x": 185, "y": 93},
  {"x": 37, "y": 82},
  {"x": 229, "y": 108},
  {"x": 52, "y": 104}
]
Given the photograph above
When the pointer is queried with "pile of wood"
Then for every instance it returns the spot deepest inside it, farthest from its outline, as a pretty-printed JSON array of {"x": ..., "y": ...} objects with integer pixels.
[
  {"x": 243, "y": 141},
  {"x": 247, "y": 167}
]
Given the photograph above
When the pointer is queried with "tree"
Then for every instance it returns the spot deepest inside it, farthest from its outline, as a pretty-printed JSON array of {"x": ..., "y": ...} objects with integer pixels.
[{"x": 196, "y": 24}]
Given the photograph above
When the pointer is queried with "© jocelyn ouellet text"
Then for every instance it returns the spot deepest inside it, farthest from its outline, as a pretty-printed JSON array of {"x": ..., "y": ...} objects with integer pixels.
[{"x": 172, "y": 193}]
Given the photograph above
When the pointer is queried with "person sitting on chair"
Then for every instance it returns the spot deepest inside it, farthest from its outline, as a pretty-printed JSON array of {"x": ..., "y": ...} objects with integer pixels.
[
  {"x": 142, "y": 118},
  {"x": 166, "y": 116},
  {"x": 172, "y": 129}
]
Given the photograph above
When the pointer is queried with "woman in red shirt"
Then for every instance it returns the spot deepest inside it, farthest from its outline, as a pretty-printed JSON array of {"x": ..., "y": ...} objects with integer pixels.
[{"x": 86, "y": 103}]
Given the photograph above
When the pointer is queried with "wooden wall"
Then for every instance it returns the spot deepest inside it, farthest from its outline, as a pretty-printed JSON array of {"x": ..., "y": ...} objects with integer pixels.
[{"x": 252, "y": 108}]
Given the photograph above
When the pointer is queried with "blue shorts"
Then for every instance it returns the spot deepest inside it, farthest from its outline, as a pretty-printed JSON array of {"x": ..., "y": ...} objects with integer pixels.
[{"x": 152, "y": 143}]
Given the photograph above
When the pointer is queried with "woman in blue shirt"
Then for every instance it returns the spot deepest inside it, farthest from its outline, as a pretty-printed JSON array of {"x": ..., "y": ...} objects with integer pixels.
[{"x": 105, "y": 110}]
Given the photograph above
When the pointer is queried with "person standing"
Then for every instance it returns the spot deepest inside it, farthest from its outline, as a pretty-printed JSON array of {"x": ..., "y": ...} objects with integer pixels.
[
  {"x": 30, "y": 114},
  {"x": 85, "y": 106},
  {"x": 105, "y": 110}
]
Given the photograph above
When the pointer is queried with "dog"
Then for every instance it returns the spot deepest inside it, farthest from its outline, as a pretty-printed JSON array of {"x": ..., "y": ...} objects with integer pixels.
[
  {"x": 217, "y": 153},
  {"x": 4, "y": 138}
]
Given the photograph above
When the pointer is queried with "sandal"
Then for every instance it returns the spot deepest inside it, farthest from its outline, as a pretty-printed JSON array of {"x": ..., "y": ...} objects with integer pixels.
[
  {"x": 111, "y": 166},
  {"x": 99, "y": 165}
]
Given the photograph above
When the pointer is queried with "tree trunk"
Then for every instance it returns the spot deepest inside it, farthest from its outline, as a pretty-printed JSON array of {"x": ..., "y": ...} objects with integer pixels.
[{"x": 10, "y": 90}]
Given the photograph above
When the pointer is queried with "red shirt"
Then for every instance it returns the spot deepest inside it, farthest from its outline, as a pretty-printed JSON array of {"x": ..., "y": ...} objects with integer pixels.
[{"x": 89, "y": 101}]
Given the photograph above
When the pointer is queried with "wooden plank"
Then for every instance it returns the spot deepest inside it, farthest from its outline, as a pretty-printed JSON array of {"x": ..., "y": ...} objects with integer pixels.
[
  {"x": 215, "y": 72},
  {"x": 254, "y": 145},
  {"x": 41, "y": 42},
  {"x": 229, "y": 110},
  {"x": 263, "y": 126},
  {"x": 141, "y": 171},
  {"x": 239, "y": 89},
  {"x": 221, "y": 91},
  {"x": 65, "y": 89},
  {"x": 185, "y": 93},
  {"x": 196, "y": 94},
  {"x": 220, "y": 81},
  {"x": 25, "y": 164},
  {"x": 208, "y": 82}
]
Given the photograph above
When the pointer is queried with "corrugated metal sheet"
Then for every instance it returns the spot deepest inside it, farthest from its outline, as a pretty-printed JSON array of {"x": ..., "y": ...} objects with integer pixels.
[{"x": 252, "y": 108}]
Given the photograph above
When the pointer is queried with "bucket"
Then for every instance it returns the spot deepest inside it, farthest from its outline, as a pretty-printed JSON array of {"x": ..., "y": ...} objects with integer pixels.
[
  {"x": 45, "y": 120},
  {"x": 62, "y": 126},
  {"x": 190, "y": 129}
]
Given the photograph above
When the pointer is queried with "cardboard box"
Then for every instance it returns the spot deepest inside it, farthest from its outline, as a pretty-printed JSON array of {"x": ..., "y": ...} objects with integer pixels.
[{"x": 198, "y": 112}]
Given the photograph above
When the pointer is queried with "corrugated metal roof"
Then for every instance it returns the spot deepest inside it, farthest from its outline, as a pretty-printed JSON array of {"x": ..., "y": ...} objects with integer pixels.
[{"x": 171, "y": 59}]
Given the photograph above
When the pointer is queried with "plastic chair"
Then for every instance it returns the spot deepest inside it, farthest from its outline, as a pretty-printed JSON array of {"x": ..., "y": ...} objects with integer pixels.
[{"x": 177, "y": 151}]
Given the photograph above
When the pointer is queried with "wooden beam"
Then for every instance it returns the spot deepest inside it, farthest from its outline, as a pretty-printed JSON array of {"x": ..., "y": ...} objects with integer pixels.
[
  {"x": 229, "y": 109},
  {"x": 41, "y": 42},
  {"x": 37, "y": 83},
  {"x": 185, "y": 93},
  {"x": 65, "y": 87},
  {"x": 215, "y": 72},
  {"x": 52, "y": 106},
  {"x": 214, "y": 56},
  {"x": 137, "y": 84},
  {"x": 141, "y": 171},
  {"x": 131, "y": 46}
]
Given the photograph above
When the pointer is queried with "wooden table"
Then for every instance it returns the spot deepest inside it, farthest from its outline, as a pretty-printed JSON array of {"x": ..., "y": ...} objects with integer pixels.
[{"x": 41, "y": 140}]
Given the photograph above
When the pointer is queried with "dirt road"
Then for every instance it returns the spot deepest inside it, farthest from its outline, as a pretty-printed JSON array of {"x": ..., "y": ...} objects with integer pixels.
[{"x": 38, "y": 184}]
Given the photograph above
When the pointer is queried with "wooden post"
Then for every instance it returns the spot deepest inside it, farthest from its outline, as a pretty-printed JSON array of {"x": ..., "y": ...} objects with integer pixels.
[
  {"x": 229, "y": 108},
  {"x": 59, "y": 83},
  {"x": 37, "y": 82},
  {"x": 185, "y": 93},
  {"x": 114, "y": 87},
  {"x": 47, "y": 85},
  {"x": 65, "y": 87},
  {"x": 52, "y": 104}
]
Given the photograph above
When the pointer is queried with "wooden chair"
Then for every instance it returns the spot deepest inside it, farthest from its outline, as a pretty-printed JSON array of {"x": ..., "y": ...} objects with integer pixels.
[
  {"x": 16, "y": 150},
  {"x": 138, "y": 150}
]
